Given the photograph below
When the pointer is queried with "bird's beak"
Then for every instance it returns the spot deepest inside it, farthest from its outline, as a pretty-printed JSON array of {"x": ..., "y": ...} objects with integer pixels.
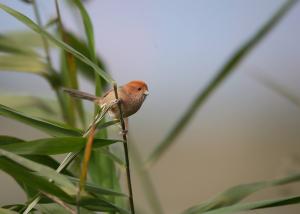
[{"x": 146, "y": 92}]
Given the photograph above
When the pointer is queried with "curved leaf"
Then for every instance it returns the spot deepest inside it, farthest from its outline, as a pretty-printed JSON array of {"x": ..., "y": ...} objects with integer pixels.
[
  {"x": 32, "y": 105},
  {"x": 237, "y": 193},
  {"x": 52, "y": 128},
  {"x": 257, "y": 205},
  {"x": 7, "y": 211},
  {"x": 53, "y": 146},
  {"x": 24, "y": 19},
  {"x": 97, "y": 190},
  {"x": 46, "y": 172},
  {"x": 33, "y": 181},
  {"x": 22, "y": 63}
]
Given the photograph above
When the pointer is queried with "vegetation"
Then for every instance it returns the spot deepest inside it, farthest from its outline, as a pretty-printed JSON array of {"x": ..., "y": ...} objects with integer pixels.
[{"x": 75, "y": 184}]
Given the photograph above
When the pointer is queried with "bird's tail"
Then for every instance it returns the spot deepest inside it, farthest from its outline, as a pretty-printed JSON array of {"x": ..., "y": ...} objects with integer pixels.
[{"x": 80, "y": 94}]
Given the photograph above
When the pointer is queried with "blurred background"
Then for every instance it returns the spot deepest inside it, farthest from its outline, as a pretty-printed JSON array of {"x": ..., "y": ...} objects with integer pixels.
[{"x": 245, "y": 132}]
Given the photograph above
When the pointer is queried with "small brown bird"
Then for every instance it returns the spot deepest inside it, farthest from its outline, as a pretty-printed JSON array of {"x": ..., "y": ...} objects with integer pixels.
[{"x": 131, "y": 96}]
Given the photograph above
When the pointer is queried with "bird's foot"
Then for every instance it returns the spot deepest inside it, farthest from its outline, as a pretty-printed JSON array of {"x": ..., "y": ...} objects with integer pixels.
[{"x": 124, "y": 132}]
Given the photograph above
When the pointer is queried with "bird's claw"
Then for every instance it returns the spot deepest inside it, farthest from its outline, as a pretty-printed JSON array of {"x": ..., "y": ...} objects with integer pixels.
[
  {"x": 116, "y": 101},
  {"x": 124, "y": 132}
]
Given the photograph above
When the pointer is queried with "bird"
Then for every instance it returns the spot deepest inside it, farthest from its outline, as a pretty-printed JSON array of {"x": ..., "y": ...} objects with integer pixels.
[{"x": 131, "y": 96}]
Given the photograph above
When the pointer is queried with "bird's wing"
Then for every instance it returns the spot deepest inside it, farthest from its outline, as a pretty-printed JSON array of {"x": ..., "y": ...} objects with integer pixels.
[{"x": 80, "y": 94}]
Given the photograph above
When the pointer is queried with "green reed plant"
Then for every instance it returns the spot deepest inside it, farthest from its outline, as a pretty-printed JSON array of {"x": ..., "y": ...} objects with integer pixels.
[{"x": 60, "y": 187}]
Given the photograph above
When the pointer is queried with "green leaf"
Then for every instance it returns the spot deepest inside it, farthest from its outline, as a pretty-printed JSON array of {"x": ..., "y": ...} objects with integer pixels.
[
  {"x": 5, "y": 140},
  {"x": 59, "y": 186},
  {"x": 28, "y": 22},
  {"x": 46, "y": 172},
  {"x": 9, "y": 45},
  {"x": 84, "y": 69},
  {"x": 25, "y": 39},
  {"x": 7, "y": 211},
  {"x": 55, "y": 208},
  {"x": 96, "y": 189},
  {"x": 113, "y": 157},
  {"x": 219, "y": 78},
  {"x": 89, "y": 31},
  {"x": 14, "y": 207},
  {"x": 32, "y": 180},
  {"x": 35, "y": 106},
  {"x": 52, "y": 128},
  {"x": 107, "y": 124},
  {"x": 22, "y": 63},
  {"x": 53, "y": 146},
  {"x": 237, "y": 193},
  {"x": 257, "y": 205}
]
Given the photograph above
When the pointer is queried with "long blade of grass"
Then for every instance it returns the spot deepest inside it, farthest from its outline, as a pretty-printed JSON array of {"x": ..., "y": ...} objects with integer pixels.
[
  {"x": 52, "y": 128},
  {"x": 44, "y": 40},
  {"x": 7, "y": 211},
  {"x": 279, "y": 89},
  {"x": 96, "y": 189},
  {"x": 89, "y": 31},
  {"x": 69, "y": 74},
  {"x": 257, "y": 205},
  {"x": 237, "y": 193},
  {"x": 22, "y": 63},
  {"x": 11, "y": 46},
  {"x": 52, "y": 146},
  {"x": 221, "y": 75},
  {"x": 28, "y": 22},
  {"x": 32, "y": 105}
]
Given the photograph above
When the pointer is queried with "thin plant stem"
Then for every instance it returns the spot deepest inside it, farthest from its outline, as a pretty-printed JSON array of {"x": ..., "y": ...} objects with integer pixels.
[
  {"x": 85, "y": 163},
  {"x": 125, "y": 151},
  {"x": 49, "y": 61},
  {"x": 60, "y": 202},
  {"x": 45, "y": 42}
]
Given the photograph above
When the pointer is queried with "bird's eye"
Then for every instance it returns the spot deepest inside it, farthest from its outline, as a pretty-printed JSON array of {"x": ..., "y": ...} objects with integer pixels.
[{"x": 139, "y": 89}]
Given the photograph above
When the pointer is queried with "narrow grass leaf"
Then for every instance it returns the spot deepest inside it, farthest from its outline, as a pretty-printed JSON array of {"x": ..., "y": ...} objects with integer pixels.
[
  {"x": 53, "y": 146},
  {"x": 7, "y": 211},
  {"x": 52, "y": 128},
  {"x": 46, "y": 172},
  {"x": 237, "y": 193},
  {"x": 89, "y": 31},
  {"x": 8, "y": 45},
  {"x": 257, "y": 205},
  {"x": 28, "y": 22},
  {"x": 35, "y": 182},
  {"x": 84, "y": 69},
  {"x": 221, "y": 75},
  {"x": 31, "y": 105},
  {"x": 280, "y": 90},
  {"x": 22, "y": 63},
  {"x": 25, "y": 38},
  {"x": 69, "y": 75},
  {"x": 6, "y": 140},
  {"x": 91, "y": 188},
  {"x": 14, "y": 207},
  {"x": 57, "y": 209}
]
